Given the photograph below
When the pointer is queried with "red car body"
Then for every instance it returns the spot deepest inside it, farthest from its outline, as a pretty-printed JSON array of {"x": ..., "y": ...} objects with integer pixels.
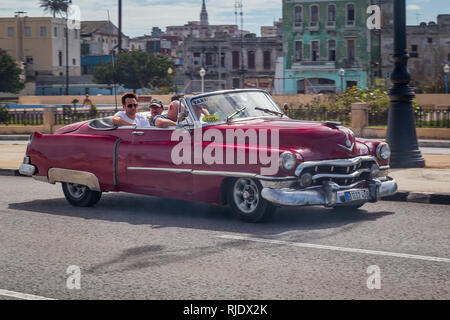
[{"x": 138, "y": 160}]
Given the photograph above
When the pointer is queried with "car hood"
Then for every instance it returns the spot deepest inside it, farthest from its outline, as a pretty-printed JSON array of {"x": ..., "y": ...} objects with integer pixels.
[{"x": 311, "y": 139}]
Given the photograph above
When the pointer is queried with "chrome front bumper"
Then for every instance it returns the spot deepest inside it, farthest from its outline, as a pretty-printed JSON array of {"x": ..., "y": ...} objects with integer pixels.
[
  {"x": 26, "y": 169},
  {"x": 329, "y": 194}
]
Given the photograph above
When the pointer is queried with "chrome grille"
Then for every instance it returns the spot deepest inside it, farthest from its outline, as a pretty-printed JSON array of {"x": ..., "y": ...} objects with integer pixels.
[{"x": 341, "y": 171}]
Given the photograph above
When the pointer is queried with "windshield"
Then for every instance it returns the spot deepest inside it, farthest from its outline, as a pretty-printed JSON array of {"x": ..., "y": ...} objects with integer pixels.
[{"x": 234, "y": 105}]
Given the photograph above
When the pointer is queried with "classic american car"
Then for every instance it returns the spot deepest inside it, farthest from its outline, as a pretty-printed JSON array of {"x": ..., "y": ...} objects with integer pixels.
[{"x": 232, "y": 147}]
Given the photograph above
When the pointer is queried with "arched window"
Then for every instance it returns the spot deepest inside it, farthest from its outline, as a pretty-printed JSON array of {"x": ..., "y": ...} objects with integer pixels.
[
  {"x": 314, "y": 15},
  {"x": 298, "y": 16},
  {"x": 331, "y": 15},
  {"x": 350, "y": 14}
]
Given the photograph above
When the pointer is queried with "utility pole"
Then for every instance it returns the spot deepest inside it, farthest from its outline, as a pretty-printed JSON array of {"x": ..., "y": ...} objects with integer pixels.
[
  {"x": 120, "y": 26},
  {"x": 67, "y": 46},
  {"x": 238, "y": 9}
]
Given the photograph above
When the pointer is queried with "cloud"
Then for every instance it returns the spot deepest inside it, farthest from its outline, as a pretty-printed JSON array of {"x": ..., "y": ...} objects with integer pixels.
[{"x": 412, "y": 7}]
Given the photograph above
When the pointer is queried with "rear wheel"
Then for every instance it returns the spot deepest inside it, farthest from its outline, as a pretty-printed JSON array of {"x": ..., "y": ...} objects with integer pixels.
[
  {"x": 246, "y": 202},
  {"x": 79, "y": 195}
]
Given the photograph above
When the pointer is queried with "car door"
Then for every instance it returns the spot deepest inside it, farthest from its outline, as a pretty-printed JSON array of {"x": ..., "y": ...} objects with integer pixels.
[{"x": 150, "y": 168}]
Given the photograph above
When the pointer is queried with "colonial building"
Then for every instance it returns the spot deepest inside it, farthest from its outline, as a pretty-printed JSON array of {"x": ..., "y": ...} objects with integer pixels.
[
  {"x": 273, "y": 31},
  {"x": 40, "y": 44},
  {"x": 322, "y": 38},
  {"x": 230, "y": 62},
  {"x": 100, "y": 38},
  {"x": 202, "y": 28},
  {"x": 428, "y": 46}
]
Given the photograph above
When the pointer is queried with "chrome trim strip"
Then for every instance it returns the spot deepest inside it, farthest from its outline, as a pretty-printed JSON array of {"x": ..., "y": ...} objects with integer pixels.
[
  {"x": 160, "y": 169},
  {"x": 335, "y": 162},
  {"x": 215, "y": 173},
  {"x": 116, "y": 147},
  {"x": 385, "y": 167},
  {"x": 340, "y": 176}
]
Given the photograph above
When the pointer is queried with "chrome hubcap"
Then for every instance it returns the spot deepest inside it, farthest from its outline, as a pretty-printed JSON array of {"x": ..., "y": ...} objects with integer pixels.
[
  {"x": 76, "y": 190},
  {"x": 246, "y": 195}
]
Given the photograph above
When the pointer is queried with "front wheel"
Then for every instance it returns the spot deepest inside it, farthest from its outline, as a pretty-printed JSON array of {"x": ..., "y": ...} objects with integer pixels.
[
  {"x": 79, "y": 195},
  {"x": 246, "y": 202}
]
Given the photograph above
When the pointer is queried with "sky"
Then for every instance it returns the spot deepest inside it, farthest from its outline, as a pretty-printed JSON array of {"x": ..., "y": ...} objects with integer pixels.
[{"x": 139, "y": 16}]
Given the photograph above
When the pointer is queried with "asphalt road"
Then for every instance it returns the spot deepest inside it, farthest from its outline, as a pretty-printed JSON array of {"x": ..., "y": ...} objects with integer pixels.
[{"x": 138, "y": 247}]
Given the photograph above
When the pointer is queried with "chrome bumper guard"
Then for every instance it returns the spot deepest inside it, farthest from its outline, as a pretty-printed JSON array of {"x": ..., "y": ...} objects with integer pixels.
[
  {"x": 330, "y": 194},
  {"x": 26, "y": 169}
]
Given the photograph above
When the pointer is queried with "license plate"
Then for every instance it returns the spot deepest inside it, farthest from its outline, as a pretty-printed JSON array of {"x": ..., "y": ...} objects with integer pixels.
[{"x": 356, "y": 195}]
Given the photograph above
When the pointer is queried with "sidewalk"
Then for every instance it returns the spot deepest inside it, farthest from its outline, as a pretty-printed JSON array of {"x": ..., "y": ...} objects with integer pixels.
[{"x": 425, "y": 185}]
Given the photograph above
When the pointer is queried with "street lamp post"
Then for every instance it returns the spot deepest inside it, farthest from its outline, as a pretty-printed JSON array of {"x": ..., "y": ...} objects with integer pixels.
[
  {"x": 446, "y": 71},
  {"x": 342, "y": 75},
  {"x": 401, "y": 131},
  {"x": 67, "y": 46},
  {"x": 202, "y": 73}
]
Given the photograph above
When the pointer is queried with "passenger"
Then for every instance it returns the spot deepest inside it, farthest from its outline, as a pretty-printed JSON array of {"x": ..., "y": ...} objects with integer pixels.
[
  {"x": 200, "y": 111},
  {"x": 129, "y": 117},
  {"x": 159, "y": 120}
]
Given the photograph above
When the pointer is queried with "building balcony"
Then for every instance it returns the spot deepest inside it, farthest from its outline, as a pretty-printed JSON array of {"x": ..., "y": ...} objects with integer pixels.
[
  {"x": 313, "y": 65},
  {"x": 331, "y": 25},
  {"x": 314, "y": 26}
]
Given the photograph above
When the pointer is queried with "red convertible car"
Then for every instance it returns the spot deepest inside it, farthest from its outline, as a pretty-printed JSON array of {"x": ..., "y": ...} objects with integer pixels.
[{"x": 232, "y": 147}]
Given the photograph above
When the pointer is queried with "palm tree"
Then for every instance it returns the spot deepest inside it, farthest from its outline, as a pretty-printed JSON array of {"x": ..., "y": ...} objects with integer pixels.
[{"x": 54, "y": 6}]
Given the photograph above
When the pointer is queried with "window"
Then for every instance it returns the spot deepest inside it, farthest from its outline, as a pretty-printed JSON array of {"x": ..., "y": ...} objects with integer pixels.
[
  {"x": 331, "y": 13},
  {"x": 430, "y": 40},
  {"x": 236, "y": 60},
  {"x": 351, "y": 14},
  {"x": 251, "y": 59},
  {"x": 27, "y": 31},
  {"x": 55, "y": 32},
  {"x": 236, "y": 83},
  {"x": 301, "y": 86},
  {"x": 29, "y": 60},
  {"x": 60, "y": 58},
  {"x": 314, "y": 16},
  {"x": 10, "y": 31},
  {"x": 76, "y": 34},
  {"x": 209, "y": 59},
  {"x": 315, "y": 52},
  {"x": 298, "y": 16},
  {"x": 267, "y": 60},
  {"x": 351, "y": 50},
  {"x": 43, "y": 31},
  {"x": 331, "y": 50},
  {"x": 298, "y": 50},
  {"x": 222, "y": 60},
  {"x": 448, "y": 58},
  {"x": 414, "y": 47},
  {"x": 65, "y": 32}
]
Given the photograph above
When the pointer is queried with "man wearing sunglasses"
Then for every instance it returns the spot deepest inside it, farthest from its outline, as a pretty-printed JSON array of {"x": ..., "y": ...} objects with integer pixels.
[{"x": 128, "y": 116}]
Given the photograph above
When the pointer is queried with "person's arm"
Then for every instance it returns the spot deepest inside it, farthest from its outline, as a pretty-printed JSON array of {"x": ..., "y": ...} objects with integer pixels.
[
  {"x": 164, "y": 123},
  {"x": 119, "y": 121}
]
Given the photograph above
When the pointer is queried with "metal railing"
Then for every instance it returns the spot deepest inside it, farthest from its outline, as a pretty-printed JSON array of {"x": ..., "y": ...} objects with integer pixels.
[
  {"x": 306, "y": 112},
  {"x": 424, "y": 118},
  {"x": 23, "y": 117},
  {"x": 68, "y": 116}
]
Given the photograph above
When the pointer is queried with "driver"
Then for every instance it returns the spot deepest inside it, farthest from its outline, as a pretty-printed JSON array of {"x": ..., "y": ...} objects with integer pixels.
[{"x": 128, "y": 116}]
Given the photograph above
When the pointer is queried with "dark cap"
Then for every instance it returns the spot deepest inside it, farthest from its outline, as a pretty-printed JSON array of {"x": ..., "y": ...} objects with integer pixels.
[{"x": 157, "y": 103}]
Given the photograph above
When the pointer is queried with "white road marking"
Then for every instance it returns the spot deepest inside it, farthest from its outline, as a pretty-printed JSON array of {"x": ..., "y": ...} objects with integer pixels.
[
  {"x": 333, "y": 248},
  {"x": 22, "y": 296}
]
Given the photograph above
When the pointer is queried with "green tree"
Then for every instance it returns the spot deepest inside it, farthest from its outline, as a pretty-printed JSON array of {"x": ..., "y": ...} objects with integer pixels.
[
  {"x": 54, "y": 6},
  {"x": 137, "y": 70},
  {"x": 10, "y": 74}
]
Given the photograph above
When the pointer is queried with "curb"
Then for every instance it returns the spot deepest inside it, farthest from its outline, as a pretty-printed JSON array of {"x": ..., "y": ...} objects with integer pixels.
[
  {"x": 14, "y": 137},
  {"x": 420, "y": 197},
  {"x": 9, "y": 172}
]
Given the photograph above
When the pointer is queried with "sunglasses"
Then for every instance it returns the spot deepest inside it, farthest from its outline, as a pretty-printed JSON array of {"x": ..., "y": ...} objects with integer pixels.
[{"x": 131, "y": 105}]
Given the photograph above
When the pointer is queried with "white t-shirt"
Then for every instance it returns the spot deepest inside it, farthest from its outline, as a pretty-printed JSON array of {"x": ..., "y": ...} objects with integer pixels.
[{"x": 139, "y": 120}]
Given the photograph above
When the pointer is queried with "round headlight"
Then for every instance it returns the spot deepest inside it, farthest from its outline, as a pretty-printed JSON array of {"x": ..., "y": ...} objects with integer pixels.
[
  {"x": 383, "y": 151},
  {"x": 287, "y": 161}
]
